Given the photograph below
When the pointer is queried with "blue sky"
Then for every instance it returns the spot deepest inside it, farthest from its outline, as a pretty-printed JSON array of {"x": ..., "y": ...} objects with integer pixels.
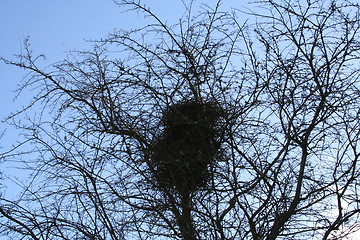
[{"x": 55, "y": 27}]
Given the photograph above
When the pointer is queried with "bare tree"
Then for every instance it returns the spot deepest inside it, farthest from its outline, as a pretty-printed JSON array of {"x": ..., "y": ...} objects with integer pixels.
[{"x": 209, "y": 129}]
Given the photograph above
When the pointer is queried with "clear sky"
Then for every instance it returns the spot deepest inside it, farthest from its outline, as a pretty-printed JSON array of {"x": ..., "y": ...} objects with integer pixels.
[{"x": 55, "y": 27}]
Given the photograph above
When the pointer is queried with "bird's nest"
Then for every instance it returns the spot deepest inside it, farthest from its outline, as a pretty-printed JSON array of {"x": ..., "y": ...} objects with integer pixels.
[{"x": 189, "y": 144}]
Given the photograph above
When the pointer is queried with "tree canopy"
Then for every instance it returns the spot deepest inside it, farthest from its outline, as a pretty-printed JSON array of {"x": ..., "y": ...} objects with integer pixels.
[{"x": 208, "y": 129}]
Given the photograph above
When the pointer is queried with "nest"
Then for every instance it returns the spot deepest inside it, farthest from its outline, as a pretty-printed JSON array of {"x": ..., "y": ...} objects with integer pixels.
[{"x": 188, "y": 145}]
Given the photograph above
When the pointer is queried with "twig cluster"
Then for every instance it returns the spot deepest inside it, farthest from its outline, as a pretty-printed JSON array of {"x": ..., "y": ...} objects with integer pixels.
[{"x": 188, "y": 145}]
